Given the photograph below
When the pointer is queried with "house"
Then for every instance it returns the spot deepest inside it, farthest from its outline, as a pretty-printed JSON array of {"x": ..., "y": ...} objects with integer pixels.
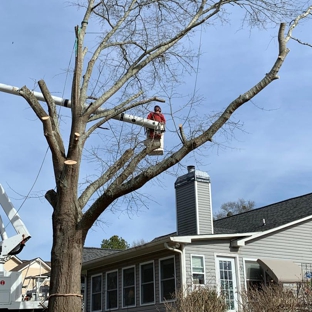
[
  {"x": 35, "y": 275},
  {"x": 272, "y": 243}
]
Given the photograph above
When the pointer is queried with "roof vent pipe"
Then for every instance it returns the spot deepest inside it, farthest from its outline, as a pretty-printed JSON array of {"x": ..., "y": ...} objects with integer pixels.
[{"x": 190, "y": 168}]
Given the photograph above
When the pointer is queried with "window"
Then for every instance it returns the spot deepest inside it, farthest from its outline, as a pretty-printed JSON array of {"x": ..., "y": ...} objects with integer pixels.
[
  {"x": 128, "y": 294},
  {"x": 227, "y": 281},
  {"x": 96, "y": 293},
  {"x": 83, "y": 288},
  {"x": 198, "y": 270},
  {"x": 111, "y": 290},
  {"x": 147, "y": 283},
  {"x": 253, "y": 274},
  {"x": 167, "y": 279}
]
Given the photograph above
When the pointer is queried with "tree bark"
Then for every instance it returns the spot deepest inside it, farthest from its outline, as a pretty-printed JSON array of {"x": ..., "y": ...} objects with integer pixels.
[{"x": 66, "y": 256}]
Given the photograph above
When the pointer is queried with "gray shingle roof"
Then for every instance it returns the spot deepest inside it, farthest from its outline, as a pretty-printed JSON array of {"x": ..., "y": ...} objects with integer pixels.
[
  {"x": 91, "y": 253},
  {"x": 274, "y": 215}
]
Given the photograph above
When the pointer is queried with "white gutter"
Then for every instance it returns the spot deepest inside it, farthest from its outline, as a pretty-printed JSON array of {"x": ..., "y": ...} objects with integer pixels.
[
  {"x": 182, "y": 263},
  {"x": 190, "y": 239}
]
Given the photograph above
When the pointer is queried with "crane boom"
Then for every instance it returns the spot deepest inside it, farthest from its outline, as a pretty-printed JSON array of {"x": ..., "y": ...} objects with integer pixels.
[
  {"x": 67, "y": 103},
  {"x": 11, "y": 245}
]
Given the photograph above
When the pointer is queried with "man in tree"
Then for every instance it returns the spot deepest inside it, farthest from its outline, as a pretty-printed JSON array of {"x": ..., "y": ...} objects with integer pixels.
[{"x": 157, "y": 116}]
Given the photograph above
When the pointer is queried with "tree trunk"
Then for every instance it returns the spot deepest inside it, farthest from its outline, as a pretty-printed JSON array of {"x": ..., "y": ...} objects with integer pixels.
[{"x": 66, "y": 256}]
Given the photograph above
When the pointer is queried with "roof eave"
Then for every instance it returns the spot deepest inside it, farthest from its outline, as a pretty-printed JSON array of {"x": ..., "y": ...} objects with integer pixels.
[
  {"x": 147, "y": 248},
  {"x": 242, "y": 242}
]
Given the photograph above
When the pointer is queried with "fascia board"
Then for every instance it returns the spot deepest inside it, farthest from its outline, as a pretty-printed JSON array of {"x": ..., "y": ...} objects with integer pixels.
[
  {"x": 147, "y": 248},
  {"x": 241, "y": 242},
  {"x": 190, "y": 239}
]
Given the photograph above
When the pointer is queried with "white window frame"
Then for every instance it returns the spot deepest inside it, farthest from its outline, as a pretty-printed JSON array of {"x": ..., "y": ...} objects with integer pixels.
[
  {"x": 123, "y": 287},
  {"x": 161, "y": 299},
  {"x": 235, "y": 259},
  {"x": 203, "y": 273},
  {"x": 100, "y": 292},
  {"x": 106, "y": 291},
  {"x": 141, "y": 284},
  {"x": 85, "y": 291},
  {"x": 245, "y": 273}
]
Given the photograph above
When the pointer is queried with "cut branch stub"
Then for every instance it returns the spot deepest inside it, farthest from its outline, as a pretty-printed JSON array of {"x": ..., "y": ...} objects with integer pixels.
[
  {"x": 70, "y": 162},
  {"x": 77, "y": 135}
]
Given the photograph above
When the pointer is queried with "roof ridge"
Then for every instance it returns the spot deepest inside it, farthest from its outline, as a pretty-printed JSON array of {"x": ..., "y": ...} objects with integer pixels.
[{"x": 266, "y": 206}]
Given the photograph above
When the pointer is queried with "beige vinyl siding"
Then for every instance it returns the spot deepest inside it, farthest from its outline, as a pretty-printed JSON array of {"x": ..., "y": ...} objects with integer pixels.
[
  {"x": 207, "y": 249},
  {"x": 204, "y": 208},
  {"x": 294, "y": 242}
]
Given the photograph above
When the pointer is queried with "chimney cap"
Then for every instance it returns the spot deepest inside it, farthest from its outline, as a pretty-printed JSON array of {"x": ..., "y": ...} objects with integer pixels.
[
  {"x": 191, "y": 176},
  {"x": 190, "y": 168}
]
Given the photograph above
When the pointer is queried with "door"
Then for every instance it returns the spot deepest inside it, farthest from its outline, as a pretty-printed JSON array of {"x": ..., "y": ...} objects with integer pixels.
[{"x": 226, "y": 281}]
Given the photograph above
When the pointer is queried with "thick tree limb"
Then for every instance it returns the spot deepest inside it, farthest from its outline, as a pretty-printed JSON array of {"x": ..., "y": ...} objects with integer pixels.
[
  {"x": 51, "y": 197},
  {"x": 53, "y": 119},
  {"x": 109, "y": 195},
  {"x": 33, "y": 102},
  {"x": 46, "y": 121},
  {"x": 93, "y": 187}
]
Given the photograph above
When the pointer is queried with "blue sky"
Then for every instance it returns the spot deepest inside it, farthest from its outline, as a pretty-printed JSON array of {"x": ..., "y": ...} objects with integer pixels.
[{"x": 268, "y": 161}]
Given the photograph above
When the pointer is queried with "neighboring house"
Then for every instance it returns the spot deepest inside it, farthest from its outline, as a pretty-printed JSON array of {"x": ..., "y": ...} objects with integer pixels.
[
  {"x": 272, "y": 243},
  {"x": 35, "y": 275},
  {"x": 12, "y": 263}
]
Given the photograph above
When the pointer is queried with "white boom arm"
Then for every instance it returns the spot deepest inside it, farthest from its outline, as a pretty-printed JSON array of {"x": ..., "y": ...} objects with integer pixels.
[
  {"x": 14, "y": 244},
  {"x": 66, "y": 103}
]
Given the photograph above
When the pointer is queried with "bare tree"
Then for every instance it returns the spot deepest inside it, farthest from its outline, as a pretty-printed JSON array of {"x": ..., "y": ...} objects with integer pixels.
[
  {"x": 235, "y": 207},
  {"x": 141, "y": 50},
  {"x": 138, "y": 242}
]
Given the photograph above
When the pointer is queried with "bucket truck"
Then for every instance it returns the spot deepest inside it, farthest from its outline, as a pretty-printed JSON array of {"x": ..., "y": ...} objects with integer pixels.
[
  {"x": 11, "y": 283},
  {"x": 147, "y": 123}
]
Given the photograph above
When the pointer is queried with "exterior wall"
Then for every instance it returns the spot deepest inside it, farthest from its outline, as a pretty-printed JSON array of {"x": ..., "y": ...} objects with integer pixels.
[
  {"x": 186, "y": 209},
  {"x": 34, "y": 269},
  {"x": 208, "y": 249},
  {"x": 11, "y": 264},
  {"x": 293, "y": 243},
  {"x": 158, "y": 306},
  {"x": 204, "y": 208}
]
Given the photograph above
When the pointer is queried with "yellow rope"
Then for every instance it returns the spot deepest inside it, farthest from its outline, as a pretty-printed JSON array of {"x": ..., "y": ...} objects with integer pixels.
[{"x": 65, "y": 295}]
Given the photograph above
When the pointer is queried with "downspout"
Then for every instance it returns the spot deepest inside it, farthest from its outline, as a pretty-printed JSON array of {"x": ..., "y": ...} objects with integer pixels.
[{"x": 182, "y": 262}]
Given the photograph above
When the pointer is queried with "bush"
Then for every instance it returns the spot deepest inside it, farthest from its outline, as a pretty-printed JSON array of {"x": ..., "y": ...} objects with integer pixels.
[
  {"x": 275, "y": 298},
  {"x": 202, "y": 299}
]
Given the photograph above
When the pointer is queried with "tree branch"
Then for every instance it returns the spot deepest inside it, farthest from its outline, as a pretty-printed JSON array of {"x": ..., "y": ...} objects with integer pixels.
[
  {"x": 93, "y": 187},
  {"x": 190, "y": 145},
  {"x": 109, "y": 195},
  {"x": 53, "y": 118},
  {"x": 46, "y": 121}
]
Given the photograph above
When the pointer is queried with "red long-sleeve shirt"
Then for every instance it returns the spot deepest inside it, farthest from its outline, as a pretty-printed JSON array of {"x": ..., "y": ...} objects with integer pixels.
[{"x": 157, "y": 117}]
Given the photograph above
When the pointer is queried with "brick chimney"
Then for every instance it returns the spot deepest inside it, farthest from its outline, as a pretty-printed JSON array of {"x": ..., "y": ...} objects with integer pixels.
[{"x": 193, "y": 203}]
